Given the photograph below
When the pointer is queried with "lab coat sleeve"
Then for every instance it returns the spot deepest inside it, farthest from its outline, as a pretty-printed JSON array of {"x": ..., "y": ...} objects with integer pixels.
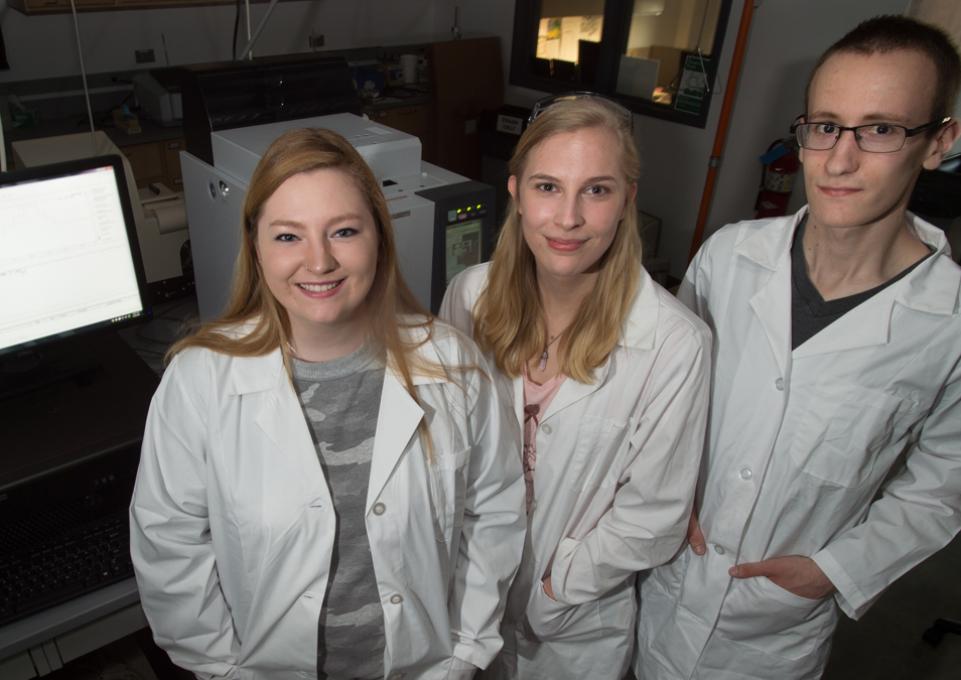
[
  {"x": 695, "y": 285},
  {"x": 492, "y": 537},
  {"x": 918, "y": 513},
  {"x": 170, "y": 537},
  {"x": 647, "y": 522}
]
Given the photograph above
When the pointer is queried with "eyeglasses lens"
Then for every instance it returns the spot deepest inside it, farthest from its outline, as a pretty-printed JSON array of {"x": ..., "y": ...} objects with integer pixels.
[{"x": 872, "y": 138}]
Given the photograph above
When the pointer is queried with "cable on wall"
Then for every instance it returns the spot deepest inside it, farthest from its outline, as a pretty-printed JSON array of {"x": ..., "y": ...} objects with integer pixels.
[
  {"x": 260, "y": 27},
  {"x": 83, "y": 69},
  {"x": 3, "y": 149}
]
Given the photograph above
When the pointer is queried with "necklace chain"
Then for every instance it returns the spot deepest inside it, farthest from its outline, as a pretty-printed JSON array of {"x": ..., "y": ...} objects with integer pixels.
[{"x": 545, "y": 355}]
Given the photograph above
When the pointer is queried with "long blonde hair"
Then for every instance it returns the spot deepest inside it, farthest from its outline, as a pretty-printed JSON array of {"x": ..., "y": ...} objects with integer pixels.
[
  {"x": 508, "y": 317},
  {"x": 390, "y": 304}
]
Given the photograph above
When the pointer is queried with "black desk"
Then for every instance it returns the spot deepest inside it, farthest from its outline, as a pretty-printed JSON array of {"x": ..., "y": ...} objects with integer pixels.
[{"x": 54, "y": 431}]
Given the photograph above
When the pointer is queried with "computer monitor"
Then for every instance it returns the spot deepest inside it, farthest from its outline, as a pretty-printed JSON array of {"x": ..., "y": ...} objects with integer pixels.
[{"x": 69, "y": 258}]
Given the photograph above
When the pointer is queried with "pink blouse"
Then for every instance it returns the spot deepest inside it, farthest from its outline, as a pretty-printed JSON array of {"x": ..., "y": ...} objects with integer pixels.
[{"x": 536, "y": 400}]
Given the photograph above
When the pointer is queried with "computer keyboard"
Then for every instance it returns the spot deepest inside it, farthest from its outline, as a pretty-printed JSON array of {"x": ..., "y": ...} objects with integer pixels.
[{"x": 61, "y": 553}]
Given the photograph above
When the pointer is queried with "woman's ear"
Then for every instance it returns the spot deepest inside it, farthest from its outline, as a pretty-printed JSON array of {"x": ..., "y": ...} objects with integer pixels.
[{"x": 512, "y": 190}]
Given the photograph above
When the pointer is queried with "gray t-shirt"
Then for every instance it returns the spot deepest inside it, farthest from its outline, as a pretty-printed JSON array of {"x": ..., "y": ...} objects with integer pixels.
[{"x": 341, "y": 400}]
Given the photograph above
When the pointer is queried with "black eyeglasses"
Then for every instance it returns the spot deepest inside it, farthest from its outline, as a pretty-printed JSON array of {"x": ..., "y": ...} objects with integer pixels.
[
  {"x": 873, "y": 137},
  {"x": 543, "y": 104}
]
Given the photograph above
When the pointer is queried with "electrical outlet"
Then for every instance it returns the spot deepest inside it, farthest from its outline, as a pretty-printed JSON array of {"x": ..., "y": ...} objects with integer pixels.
[
  {"x": 315, "y": 40},
  {"x": 144, "y": 56}
]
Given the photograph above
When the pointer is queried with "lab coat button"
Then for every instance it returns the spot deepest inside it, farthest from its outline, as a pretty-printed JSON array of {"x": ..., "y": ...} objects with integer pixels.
[
  {"x": 779, "y": 384},
  {"x": 396, "y": 598},
  {"x": 379, "y": 508},
  {"x": 546, "y": 428},
  {"x": 719, "y": 549},
  {"x": 746, "y": 473}
]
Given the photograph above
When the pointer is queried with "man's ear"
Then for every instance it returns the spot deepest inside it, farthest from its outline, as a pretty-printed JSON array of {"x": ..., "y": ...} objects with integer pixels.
[
  {"x": 944, "y": 140},
  {"x": 512, "y": 190}
]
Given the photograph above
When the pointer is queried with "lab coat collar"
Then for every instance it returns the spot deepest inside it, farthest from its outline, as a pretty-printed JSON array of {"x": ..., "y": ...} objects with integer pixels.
[
  {"x": 770, "y": 248},
  {"x": 265, "y": 372},
  {"x": 639, "y": 332},
  {"x": 281, "y": 417},
  {"x": 640, "y": 327},
  {"x": 931, "y": 287}
]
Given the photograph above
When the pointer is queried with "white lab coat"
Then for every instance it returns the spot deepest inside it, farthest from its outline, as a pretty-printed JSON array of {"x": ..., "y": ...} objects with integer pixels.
[
  {"x": 800, "y": 442},
  {"x": 617, "y": 462},
  {"x": 232, "y": 523}
]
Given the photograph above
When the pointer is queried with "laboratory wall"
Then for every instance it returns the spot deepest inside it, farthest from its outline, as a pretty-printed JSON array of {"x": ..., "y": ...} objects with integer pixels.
[
  {"x": 46, "y": 46},
  {"x": 785, "y": 40}
]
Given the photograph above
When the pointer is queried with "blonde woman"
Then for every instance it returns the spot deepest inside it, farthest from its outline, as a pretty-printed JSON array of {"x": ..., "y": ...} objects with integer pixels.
[
  {"x": 609, "y": 377},
  {"x": 329, "y": 485}
]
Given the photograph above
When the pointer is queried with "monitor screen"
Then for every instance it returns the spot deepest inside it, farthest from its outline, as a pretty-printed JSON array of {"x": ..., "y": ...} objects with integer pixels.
[
  {"x": 69, "y": 256},
  {"x": 463, "y": 247}
]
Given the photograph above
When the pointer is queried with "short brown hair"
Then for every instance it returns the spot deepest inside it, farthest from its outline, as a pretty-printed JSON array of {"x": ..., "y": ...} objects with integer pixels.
[{"x": 888, "y": 33}]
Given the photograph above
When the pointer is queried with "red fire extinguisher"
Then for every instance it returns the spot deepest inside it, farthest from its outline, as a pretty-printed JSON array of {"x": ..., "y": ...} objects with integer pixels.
[{"x": 780, "y": 167}]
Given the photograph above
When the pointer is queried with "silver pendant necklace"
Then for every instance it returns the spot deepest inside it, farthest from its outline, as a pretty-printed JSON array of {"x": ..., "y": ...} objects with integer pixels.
[{"x": 545, "y": 355}]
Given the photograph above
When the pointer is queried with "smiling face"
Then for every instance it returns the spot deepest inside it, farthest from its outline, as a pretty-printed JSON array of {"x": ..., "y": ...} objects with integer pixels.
[
  {"x": 570, "y": 197},
  {"x": 317, "y": 247},
  {"x": 847, "y": 187}
]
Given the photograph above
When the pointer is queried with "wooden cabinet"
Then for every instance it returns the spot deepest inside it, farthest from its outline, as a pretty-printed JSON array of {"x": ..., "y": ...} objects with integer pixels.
[
  {"x": 156, "y": 162},
  {"x": 414, "y": 120},
  {"x": 467, "y": 79}
]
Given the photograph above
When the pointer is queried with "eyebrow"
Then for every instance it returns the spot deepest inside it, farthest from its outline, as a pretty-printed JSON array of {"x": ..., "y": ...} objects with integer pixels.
[
  {"x": 590, "y": 180},
  {"x": 345, "y": 217},
  {"x": 869, "y": 118}
]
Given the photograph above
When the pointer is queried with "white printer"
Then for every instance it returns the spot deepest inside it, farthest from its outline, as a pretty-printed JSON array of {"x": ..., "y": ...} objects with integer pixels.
[{"x": 443, "y": 222}]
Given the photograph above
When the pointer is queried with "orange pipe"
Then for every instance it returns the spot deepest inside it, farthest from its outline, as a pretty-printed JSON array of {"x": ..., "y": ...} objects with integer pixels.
[{"x": 720, "y": 137}]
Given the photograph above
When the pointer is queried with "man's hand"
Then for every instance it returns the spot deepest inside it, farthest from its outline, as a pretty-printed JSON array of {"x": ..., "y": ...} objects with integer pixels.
[
  {"x": 695, "y": 537},
  {"x": 795, "y": 573},
  {"x": 548, "y": 589}
]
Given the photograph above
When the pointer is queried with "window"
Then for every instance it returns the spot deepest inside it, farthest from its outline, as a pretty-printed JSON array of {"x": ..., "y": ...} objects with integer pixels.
[{"x": 658, "y": 57}]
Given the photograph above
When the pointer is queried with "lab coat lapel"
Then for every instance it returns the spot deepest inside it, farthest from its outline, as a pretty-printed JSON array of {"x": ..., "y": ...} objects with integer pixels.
[
  {"x": 639, "y": 330},
  {"x": 772, "y": 306},
  {"x": 867, "y": 325},
  {"x": 771, "y": 249},
  {"x": 518, "y": 385},
  {"x": 282, "y": 419},
  {"x": 397, "y": 422},
  {"x": 279, "y": 416},
  {"x": 572, "y": 391}
]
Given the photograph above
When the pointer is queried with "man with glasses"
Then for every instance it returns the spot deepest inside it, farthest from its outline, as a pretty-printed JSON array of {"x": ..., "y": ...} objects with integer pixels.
[{"x": 833, "y": 461}]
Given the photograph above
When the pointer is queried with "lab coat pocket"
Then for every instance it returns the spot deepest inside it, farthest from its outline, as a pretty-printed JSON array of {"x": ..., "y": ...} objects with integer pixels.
[
  {"x": 760, "y": 614},
  {"x": 843, "y": 430},
  {"x": 448, "y": 485},
  {"x": 552, "y": 620}
]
